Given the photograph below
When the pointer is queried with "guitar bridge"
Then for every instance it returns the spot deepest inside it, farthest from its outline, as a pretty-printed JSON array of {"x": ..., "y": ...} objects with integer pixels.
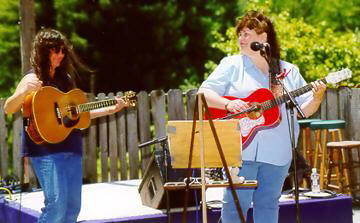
[{"x": 57, "y": 113}]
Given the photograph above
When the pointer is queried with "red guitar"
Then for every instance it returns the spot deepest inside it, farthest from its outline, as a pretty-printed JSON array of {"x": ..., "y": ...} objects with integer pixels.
[{"x": 264, "y": 112}]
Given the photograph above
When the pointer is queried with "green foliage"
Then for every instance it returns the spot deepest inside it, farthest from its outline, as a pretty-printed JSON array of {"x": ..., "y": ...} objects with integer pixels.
[
  {"x": 9, "y": 46},
  {"x": 316, "y": 50},
  {"x": 335, "y": 14}
]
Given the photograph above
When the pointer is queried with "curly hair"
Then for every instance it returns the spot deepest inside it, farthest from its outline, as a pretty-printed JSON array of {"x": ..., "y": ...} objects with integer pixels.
[
  {"x": 44, "y": 41},
  {"x": 257, "y": 21}
]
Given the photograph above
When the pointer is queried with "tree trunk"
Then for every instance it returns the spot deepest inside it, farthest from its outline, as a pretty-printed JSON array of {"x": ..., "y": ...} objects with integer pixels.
[{"x": 27, "y": 32}]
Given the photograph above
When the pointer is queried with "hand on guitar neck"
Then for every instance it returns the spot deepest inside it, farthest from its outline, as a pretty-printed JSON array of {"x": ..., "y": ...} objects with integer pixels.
[{"x": 121, "y": 103}]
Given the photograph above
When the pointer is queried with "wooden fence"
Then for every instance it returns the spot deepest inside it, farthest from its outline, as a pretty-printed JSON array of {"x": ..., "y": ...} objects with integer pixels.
[{"x": 111, "y": 143}]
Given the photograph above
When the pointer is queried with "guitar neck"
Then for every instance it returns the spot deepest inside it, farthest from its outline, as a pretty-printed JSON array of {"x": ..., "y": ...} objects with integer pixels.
[
  {"x": 282, "y": 99},
  {"x": 97, "y": 104}
]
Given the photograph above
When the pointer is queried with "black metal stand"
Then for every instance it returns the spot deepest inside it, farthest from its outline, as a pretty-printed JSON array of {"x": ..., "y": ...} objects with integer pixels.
[
  {"x": 161, "y": 160},
  {"x": 290, "y": 105}
]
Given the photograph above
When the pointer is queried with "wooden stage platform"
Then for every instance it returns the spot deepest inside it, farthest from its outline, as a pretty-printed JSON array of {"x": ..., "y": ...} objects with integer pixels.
[{"x": 120, "y": 202}]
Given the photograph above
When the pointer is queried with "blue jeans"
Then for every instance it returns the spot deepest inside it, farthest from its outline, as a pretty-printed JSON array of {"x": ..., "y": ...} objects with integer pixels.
[
  {"x": 265, "y": 197},
  {"x": 60, "y": 176}
]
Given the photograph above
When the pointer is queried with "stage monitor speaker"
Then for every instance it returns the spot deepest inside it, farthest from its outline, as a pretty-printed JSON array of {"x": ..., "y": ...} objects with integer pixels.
[{"x": 152, "y": 191}]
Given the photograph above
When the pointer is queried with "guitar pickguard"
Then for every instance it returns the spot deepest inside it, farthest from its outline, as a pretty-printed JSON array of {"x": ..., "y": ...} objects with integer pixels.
[{"x": 247, "y": 124}]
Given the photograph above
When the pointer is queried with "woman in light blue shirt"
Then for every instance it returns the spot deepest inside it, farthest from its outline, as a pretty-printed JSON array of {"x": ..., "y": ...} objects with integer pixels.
[{"x": 268, "y": 155}]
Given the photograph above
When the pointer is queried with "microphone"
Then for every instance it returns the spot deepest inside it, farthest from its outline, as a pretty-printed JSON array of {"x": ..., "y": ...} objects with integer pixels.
[{"x": 255, "y": 46}]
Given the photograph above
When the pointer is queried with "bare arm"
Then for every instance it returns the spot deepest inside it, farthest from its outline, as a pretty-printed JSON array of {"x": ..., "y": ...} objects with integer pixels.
[
  {"x": 311, "y": 106},
  {"x": 28, "y": 83},
  {"x": 213, "y": 99},
  {"x": 109, "y": 110},
  {"x": 216, "y": 101}
]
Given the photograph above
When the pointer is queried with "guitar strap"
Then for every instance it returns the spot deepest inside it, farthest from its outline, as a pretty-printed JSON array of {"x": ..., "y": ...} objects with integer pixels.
[
  {"x": 276, "y": 88},
  {"x": 274, "y": 83}
]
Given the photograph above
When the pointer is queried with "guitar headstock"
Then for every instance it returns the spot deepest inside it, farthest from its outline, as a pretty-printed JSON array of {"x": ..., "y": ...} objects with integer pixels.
[
  {"x": 335, "y": 77},
  {"x": 130, "y": 98}
]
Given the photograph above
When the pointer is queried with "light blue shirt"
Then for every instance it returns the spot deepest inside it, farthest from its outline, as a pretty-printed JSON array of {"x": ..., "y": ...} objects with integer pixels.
[{"x": 238, "y": 76}]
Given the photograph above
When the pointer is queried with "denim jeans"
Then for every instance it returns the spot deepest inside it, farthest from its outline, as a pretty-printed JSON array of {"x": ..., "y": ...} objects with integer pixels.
[
  {"x": 60, "y": 176},
  {"x": 265, "y": 197}
]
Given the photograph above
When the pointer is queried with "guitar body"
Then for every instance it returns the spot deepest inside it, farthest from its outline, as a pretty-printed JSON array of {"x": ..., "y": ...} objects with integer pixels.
[
  {"x": 251, "y": 123},
  {"x": 53, "y": 114}
]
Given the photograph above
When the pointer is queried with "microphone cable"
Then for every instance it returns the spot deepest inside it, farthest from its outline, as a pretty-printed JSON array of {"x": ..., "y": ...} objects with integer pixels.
[{"x": 7, "y": 191}]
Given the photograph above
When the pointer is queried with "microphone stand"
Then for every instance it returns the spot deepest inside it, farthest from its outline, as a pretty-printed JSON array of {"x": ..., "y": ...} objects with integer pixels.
[
  {"x": 290, "y": 105},
  {"x": 159, "y": 161}
]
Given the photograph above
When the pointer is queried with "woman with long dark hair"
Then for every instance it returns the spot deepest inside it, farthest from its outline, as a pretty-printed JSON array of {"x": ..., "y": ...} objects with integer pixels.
[{"x": 58, "y": 167}]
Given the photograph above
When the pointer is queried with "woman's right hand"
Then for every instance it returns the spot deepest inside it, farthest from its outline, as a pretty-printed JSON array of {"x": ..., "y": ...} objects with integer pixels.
[
  {"x": 236, "y": 106},
  {"x": 29, "y": 83}
]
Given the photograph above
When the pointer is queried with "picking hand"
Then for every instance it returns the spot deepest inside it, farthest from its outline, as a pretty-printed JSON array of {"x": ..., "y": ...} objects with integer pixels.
[
  {"x": 236, "y": 106},
  {"x": 29, "y": 83}
]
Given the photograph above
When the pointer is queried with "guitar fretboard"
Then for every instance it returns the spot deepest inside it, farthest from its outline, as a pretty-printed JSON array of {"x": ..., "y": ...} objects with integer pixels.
[
  {"x": 282, "y": 99},
  {"x": 97, "y": 104}
]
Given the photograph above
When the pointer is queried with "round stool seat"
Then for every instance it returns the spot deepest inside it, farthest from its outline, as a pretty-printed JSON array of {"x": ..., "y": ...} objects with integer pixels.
[
  {"x": 343, "y": 144},
  {"x": 328, "y": 124},
  {"x": 306, "y": 122}
]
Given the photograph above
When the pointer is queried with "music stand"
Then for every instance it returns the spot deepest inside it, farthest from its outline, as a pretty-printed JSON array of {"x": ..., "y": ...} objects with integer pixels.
[{"x": 179, "y": 138}]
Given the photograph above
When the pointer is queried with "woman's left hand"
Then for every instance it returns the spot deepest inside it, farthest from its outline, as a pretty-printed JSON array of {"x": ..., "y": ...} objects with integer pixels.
[
  {"x": 120, "y": 105},
  {"x": 319, "y": 89}
]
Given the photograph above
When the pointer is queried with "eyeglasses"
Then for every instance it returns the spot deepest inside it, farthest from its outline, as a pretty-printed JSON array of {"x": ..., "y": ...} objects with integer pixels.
[{"x": 58, "y": 49}]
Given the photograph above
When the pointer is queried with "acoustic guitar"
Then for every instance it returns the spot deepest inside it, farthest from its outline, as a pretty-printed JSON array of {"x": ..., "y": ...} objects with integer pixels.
[
  {"x": 51, "y": 114},
  {"x": 264, "y": 111}
]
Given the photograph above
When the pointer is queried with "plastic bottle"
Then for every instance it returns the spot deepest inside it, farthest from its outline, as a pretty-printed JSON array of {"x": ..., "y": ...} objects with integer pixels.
[{"x": 315, "y": 186}]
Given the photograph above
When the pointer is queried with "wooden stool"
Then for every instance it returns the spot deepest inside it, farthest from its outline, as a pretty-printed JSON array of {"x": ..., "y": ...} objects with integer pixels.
[
  {"x": 344, "y": 166},
  {"x": 305, "y": 138},
  {"x": 322, "y": 129}
]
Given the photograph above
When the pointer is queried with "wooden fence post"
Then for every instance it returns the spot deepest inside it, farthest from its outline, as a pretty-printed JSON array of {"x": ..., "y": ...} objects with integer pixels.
[
  {"x": 158, "y": 112},
  {"x": 121, "y": 141},
  {"x": 132, "y": 142},
  {"x": 143, "y": 105},
  {"x": 103, "y": 144},
  {"x": 344, "y": 105},
  {"x": 3, "y": 142},
  {"x": 175, "y": 104},
  {"x": 90, "y": 150},
  {"x": 113, "y": 147},
  {"x": 16, "y": 153},
  {"x": 190, "y": 103},
  {"x": 332, "y": 108}
]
